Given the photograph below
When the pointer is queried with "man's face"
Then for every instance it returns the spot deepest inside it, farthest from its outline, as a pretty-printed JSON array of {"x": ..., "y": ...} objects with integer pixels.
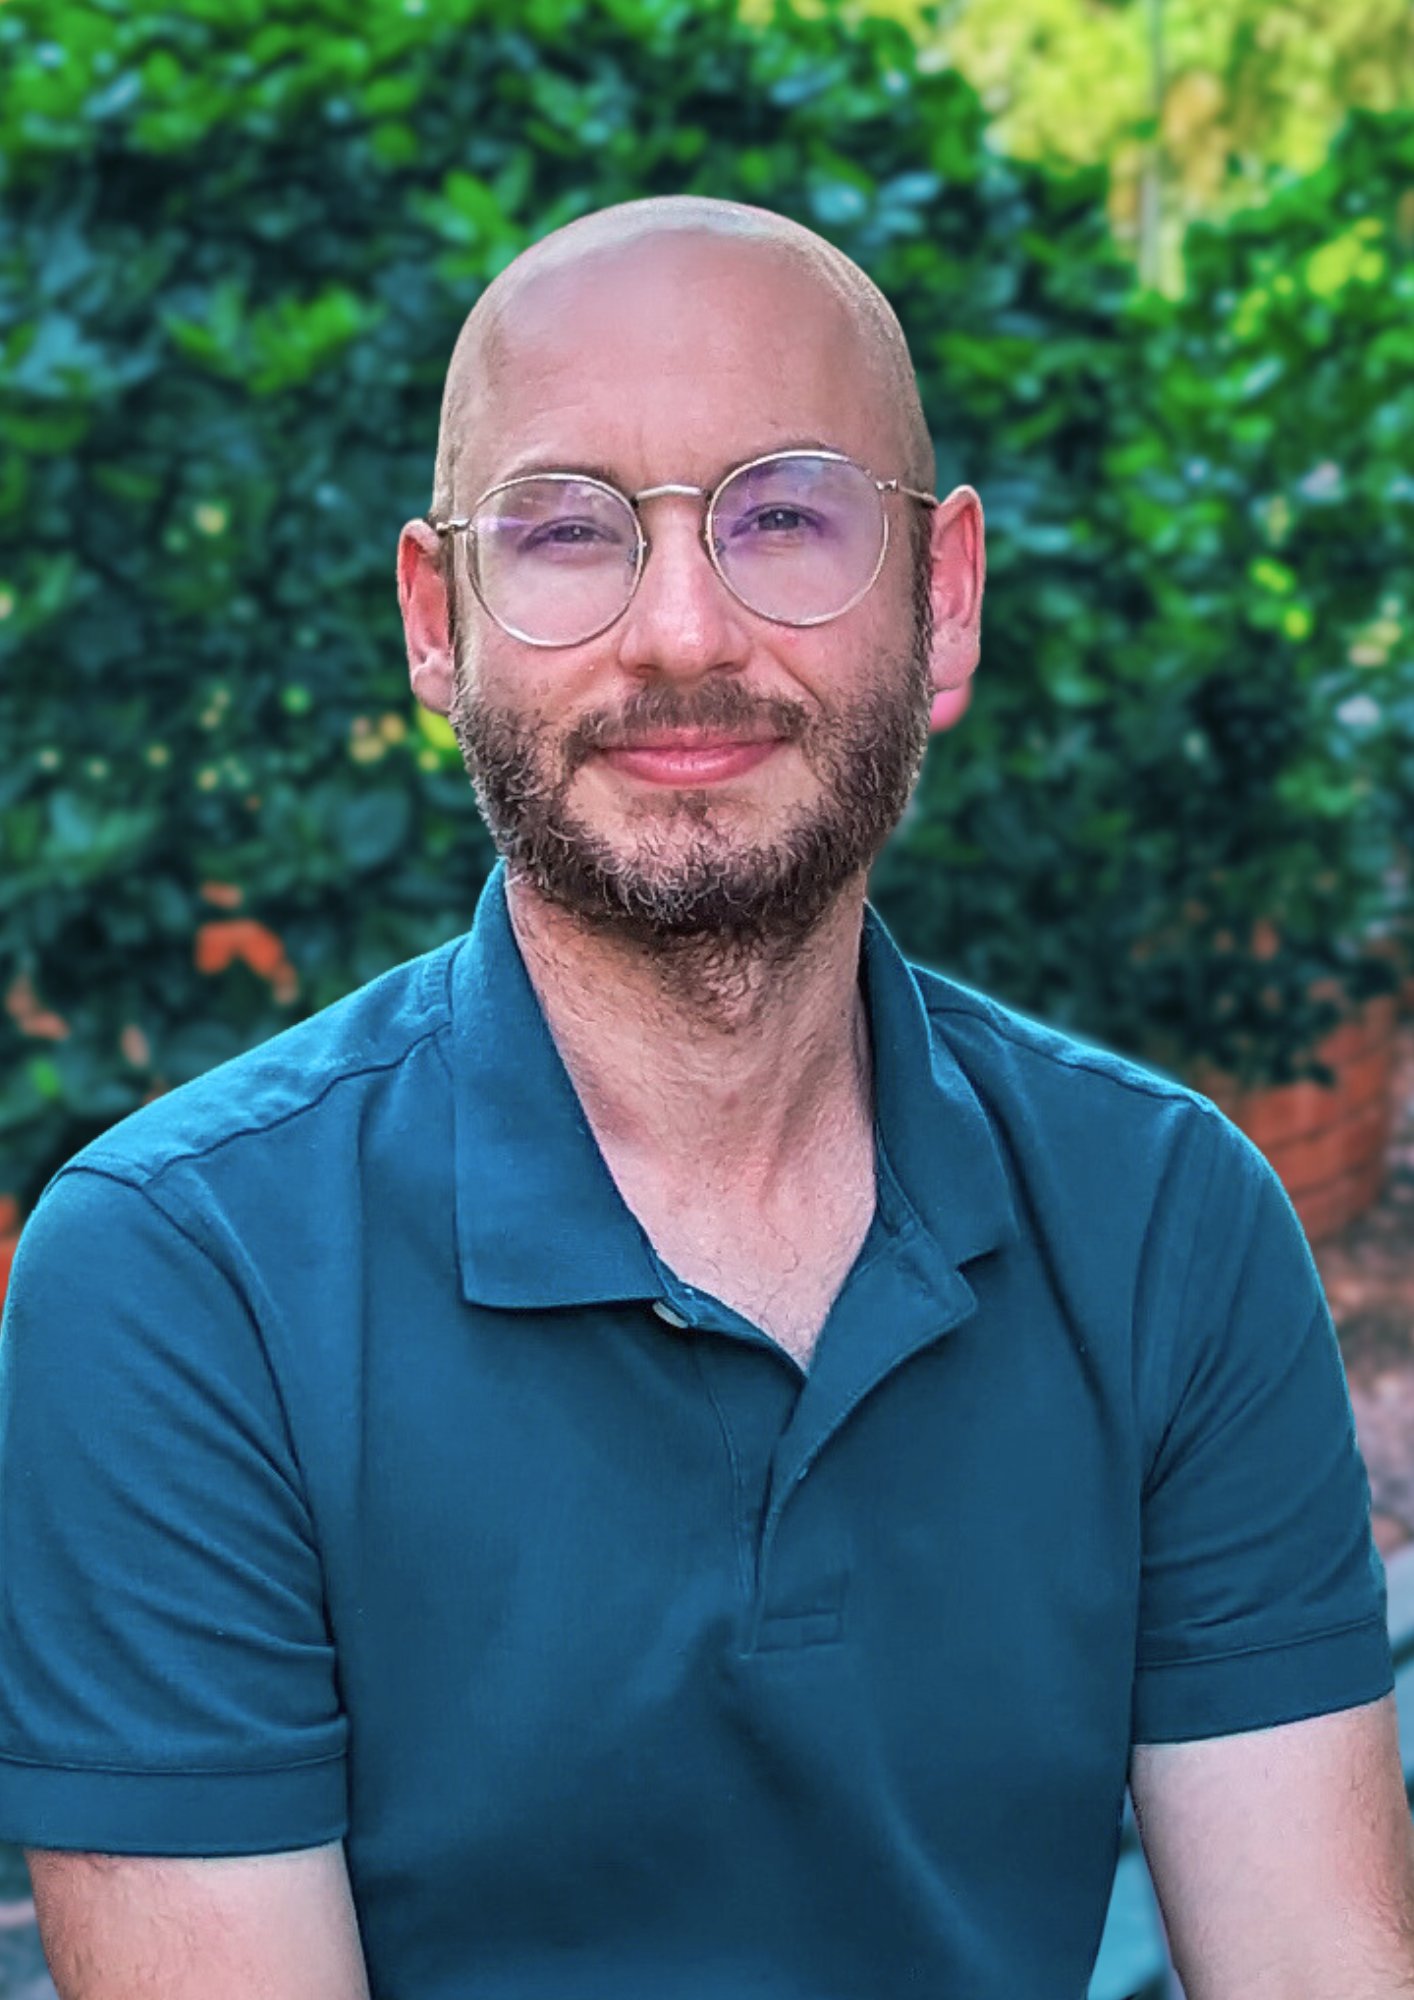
[{"x": 675, "y": 360}]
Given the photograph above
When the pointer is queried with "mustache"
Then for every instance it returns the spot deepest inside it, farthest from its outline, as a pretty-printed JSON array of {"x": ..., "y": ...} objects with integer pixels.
[{"x": 718, "y": 708}]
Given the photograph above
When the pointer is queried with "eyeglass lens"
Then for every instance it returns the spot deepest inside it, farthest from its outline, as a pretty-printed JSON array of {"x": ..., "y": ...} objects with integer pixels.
[{"x": 797, "y": 539}]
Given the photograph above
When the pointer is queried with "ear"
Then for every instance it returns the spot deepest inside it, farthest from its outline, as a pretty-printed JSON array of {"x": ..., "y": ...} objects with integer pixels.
[
  {"x": 958, "y": 556},
  {"x": 422, "y": 599}
]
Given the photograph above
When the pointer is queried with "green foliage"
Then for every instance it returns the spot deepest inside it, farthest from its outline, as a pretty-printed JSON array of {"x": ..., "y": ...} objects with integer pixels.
[
  {"x": 1199, "y": 101},
  {"x": 237, "y": 241},
  {"x": 1222, "y": 641}
]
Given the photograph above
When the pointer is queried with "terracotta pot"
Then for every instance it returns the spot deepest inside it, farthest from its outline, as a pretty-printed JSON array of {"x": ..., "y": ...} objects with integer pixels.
[
  {"x": 1329, "y": 1144},
  {"x": 9, "y": 1237}
]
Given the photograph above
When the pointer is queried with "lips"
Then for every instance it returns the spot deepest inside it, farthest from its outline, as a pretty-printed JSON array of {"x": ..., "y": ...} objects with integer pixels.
[
  {"x": 691, "y": 757},
  {"x": 692, "y": 739}
]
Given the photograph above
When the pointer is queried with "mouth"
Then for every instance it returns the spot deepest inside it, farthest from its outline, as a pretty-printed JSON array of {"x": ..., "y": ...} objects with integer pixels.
[{"x": 690, "y": 757}]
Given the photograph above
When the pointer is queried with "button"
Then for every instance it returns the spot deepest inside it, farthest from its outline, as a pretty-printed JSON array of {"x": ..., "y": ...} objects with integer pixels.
[{"x": 667, "y": 1312}]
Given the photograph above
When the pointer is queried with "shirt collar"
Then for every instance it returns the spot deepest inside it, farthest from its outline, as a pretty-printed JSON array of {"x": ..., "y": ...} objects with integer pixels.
[{"x": 540, "y": 1222}]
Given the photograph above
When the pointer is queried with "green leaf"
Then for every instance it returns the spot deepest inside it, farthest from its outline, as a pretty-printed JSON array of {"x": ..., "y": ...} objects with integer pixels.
[
  {"x": 370, "y": 827},
  {"x": 43, "y": 1073}
]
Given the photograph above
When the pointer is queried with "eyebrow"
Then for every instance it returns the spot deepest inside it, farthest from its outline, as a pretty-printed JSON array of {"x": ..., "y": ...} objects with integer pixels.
[{"x": 523, "y": 468}]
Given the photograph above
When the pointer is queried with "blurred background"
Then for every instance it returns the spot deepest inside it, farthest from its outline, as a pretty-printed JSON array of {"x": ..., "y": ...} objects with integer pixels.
[
  {"x": 1156, "y": 264},
  {"x": 1155, "y": 260}
]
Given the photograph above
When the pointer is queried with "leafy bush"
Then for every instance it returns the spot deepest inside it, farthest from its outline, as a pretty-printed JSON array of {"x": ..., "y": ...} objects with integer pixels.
[
  {"x": 238, "y": 239},
  {"x": 1192, "y": 752}
]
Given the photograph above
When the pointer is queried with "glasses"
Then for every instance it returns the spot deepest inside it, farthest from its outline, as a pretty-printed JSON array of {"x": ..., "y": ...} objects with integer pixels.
[{"x": 798, "y": 537}]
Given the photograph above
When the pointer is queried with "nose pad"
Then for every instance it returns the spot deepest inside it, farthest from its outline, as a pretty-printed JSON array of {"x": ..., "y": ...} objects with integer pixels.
[{"x": 649, "y": 575}]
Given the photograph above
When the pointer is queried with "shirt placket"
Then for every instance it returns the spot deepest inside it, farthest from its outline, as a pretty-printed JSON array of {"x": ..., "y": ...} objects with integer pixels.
[{"x": 793, "y": 1547}]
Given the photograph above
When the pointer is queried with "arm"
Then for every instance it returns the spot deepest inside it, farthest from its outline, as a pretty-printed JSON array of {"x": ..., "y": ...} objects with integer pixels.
[
  {"x": 241, "y": 1927},
  {"x": 1283, "y": 1858},
  {"x": 168, "y": 1684}
]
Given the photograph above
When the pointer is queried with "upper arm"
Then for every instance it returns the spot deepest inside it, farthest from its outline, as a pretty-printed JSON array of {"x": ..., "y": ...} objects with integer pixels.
[
  {"x": 237, "y": 1927},
  {"x": 1262, "y": 1594},
  {"x": 1265, "y": 1767},
  {"x": 1283, "y": 1858},
  {"x": 168, "y": 1679}
]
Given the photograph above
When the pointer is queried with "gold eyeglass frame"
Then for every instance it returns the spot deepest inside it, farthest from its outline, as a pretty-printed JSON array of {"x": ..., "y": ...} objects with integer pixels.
[{"x": 883, "y": 487}]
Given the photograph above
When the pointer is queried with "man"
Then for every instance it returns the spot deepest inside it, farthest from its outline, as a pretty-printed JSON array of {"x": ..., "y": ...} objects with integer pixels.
[{"x": 661, "y": 1450}]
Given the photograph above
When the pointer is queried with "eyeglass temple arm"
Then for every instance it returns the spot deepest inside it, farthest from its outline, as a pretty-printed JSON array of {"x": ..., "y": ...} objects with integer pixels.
[{"x": 893, "y": 486}]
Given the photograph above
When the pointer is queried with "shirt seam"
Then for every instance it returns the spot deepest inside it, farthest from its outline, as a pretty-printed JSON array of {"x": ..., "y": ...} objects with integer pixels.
[
  {"x": 183, "y": 1771},
  {"x": 1371, "y": 1619},
  {"x": 148, "y": 1176},
  {"x": 1092, "y": 1062}
]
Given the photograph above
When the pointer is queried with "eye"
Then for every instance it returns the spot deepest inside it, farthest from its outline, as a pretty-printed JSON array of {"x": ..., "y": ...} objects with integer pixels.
[
  {"x": 561, "y": 531},
  {"x": 778, "y": 519},
  {"x": 568, "y": 534}
]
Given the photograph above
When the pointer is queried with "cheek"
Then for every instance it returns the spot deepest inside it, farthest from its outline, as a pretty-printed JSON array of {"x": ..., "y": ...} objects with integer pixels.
[
  {"x": 501, "y": 675},
  {"x": 834, "y": 666}
]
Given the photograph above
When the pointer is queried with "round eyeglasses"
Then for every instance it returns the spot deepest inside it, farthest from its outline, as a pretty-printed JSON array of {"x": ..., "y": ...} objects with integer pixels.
[{"x": 798, "y": 537}]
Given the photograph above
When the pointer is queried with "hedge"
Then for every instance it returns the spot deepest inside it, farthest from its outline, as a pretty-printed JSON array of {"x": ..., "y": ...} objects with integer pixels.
[{"x": 236, "y": 243}]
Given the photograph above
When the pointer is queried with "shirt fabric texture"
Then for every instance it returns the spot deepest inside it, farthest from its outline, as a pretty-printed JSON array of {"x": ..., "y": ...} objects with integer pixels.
[{"x": 365, "y": 1474}]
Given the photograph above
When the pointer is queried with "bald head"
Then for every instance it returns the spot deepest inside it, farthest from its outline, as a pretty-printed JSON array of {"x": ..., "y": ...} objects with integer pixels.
[{"x": 589, "y": 259}]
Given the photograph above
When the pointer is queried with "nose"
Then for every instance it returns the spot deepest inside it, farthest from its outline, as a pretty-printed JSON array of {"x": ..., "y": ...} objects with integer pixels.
[{"x": 682, "y": 618}]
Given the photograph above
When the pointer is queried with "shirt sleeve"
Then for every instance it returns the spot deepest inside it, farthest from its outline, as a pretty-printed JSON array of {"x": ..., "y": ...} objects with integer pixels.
[
  {"x": 1262, "y": 1593},
  {"x": 167, "y": 1678}
]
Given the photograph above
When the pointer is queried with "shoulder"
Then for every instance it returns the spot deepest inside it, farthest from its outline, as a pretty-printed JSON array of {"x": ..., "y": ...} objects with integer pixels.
[
  {"x": 999, "y": 1046},
  {"x": 1100, "y": 1137},
  {"x": 372, "y": 1039}
]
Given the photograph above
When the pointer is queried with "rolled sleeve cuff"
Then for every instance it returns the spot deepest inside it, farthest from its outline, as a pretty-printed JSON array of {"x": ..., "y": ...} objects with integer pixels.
[
  {"x": 1262, "y": 1686},
  {"x": 194, "y": 1812}
]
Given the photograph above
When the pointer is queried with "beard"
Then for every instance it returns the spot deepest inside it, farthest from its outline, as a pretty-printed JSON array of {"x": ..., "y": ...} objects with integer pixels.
[{"x": 680, "y": 880}]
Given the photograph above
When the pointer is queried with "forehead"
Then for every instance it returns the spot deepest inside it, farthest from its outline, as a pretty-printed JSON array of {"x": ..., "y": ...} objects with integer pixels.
[{"x": 672, "y": 358}]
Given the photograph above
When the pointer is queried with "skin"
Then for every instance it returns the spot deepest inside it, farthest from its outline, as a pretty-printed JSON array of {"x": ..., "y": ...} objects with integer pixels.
[
  {"x": 227, "y": 1927},
  {"x": 717, "y": 1042}
]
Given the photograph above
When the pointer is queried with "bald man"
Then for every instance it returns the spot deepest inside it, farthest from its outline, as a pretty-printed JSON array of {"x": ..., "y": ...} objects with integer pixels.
[{"x": 663, "y": 1450}]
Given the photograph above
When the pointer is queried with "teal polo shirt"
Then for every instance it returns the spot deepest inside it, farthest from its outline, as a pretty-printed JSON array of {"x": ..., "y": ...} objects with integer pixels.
[{"x": 364, "y": 1474}]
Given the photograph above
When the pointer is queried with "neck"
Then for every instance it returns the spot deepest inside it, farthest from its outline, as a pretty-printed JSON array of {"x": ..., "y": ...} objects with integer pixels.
[{"x": 708, "y": 1064}]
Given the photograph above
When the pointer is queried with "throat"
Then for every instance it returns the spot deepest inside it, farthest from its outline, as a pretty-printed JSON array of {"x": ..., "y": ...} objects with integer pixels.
[{"x": 783, "y": 1268}]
